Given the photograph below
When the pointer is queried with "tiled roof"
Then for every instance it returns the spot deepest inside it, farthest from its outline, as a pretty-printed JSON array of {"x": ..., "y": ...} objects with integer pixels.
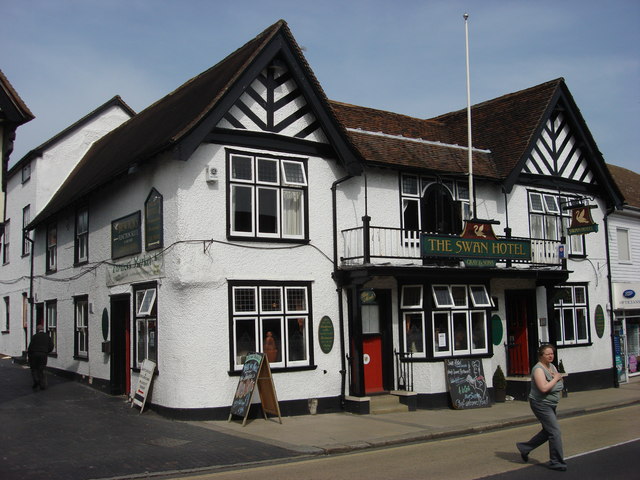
[
  {"x": 20, "y": 112},
  {"x": 628, "y": 182},
  {"x": 157, "y": 128},
  {"x": 505, "y": 125}
]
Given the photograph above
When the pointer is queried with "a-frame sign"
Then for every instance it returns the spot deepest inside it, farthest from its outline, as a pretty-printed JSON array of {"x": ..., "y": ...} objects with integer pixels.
[{"x": 256, "y": 370}]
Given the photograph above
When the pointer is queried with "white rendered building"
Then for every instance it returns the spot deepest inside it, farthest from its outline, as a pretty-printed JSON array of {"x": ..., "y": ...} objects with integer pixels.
[{"x": 246, "y": 212}]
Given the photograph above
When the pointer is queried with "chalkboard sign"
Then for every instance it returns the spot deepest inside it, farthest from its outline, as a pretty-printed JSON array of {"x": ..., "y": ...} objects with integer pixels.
[
  {"x": 467, "y": 383},
  {"x": 255, "y": 370}
]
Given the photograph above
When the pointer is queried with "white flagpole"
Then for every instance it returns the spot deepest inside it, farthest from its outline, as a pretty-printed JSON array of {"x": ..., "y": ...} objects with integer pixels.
[{"x": 470, "y": 148}]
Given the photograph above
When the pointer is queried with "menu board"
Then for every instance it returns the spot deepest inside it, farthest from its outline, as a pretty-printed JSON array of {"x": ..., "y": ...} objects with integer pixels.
[
  {"x": 255, "y": 370},
  {"x": 467, "y": 383}
]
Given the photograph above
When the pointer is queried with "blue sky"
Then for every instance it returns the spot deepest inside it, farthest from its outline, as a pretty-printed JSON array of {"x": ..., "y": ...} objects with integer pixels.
[{"x": 66, "y": 57}]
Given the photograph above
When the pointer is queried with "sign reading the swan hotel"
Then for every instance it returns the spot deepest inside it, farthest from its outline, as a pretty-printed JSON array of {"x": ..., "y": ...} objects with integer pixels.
[{"x": 477, "y": 246}]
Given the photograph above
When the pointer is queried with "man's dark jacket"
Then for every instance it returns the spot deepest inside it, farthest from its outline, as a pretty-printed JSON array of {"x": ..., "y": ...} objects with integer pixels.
[{"x": 40, "y": 343}]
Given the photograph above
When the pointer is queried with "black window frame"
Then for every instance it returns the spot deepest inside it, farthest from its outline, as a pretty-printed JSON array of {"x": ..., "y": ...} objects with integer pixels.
[
  {"x": 80, "y": 236},
  {"x": 51, "y": 256},
  {"x": 255, "y": 186},
  {"x": 280, "y": 311},
  {"x": 147, "y": 315},
  {"x": 561, "y": 306}
]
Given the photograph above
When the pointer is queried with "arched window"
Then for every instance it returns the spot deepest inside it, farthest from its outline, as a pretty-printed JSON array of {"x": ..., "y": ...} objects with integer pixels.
[{"x": 440, "y": 212}]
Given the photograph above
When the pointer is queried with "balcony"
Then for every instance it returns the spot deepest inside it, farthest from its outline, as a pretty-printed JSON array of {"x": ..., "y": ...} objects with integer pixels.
[{"x": 361, "y": 245}]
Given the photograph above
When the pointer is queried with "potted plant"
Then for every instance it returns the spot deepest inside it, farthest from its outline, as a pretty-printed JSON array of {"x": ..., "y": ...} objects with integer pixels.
[
  {"x": 565, "y": 392},
  {"x": 499, "y": 385}
]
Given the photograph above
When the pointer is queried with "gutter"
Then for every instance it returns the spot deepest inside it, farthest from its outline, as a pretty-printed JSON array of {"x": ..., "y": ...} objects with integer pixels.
[
  {"x": 338, "y": 280},
  {"x": 608, "y": 212}
]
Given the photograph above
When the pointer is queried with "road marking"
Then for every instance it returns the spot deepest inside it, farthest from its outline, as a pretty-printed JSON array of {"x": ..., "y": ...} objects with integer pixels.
[{"x": 601, "y": 449}]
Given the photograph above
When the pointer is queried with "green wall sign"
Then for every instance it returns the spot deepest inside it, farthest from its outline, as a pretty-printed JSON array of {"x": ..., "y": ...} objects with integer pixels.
[
  {"x": 325, "y": 334},
  {"x": 126, "y": 236},
  {"x": 599, "y": 321},
  {"x": 496, "y": 329},
  {"x": 452, "y": 246}
]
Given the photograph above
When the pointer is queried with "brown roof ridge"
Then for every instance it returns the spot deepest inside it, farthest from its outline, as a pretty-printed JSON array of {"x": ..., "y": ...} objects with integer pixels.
[{"x": 507, "y": 96}]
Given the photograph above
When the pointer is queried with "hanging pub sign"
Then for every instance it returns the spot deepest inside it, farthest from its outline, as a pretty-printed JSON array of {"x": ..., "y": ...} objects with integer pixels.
[
  {"x": 478, "y": 246},
  {"x": 126, "y": 236},
  {"x": 581, "y": 221},
  {"x": 153, "y": 221}
]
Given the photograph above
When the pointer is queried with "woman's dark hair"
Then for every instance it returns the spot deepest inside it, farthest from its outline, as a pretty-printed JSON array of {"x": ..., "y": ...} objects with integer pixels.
[{"x": 543, "y": 347}]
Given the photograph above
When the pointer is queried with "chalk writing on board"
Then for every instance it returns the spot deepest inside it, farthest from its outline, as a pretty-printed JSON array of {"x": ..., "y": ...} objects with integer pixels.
[
  {"x": 246, "y": 384},
  {"x": 467, "y": 383}
]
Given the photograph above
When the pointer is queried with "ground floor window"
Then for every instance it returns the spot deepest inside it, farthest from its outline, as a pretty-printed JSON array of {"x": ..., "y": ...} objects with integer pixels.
[
  {"x": 273, "y": 318},
  {"x": 571, "y": 315},
  {"x": 7, "y": 316},
  {"x": 451, "y": 321},
  {"x": 81, "y": 322},
  {"x": 146, "y": 323},
  {"x": 51, "y": 312}
]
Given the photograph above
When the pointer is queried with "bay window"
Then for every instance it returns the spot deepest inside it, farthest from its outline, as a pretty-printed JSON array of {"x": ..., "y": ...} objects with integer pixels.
[{"x": 268, "y": 197}]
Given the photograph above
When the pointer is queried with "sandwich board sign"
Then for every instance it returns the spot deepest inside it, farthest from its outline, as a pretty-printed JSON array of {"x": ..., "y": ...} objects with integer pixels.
[
  {"x": 144, "y": 383},
  {"x": 255, "y": 370}
]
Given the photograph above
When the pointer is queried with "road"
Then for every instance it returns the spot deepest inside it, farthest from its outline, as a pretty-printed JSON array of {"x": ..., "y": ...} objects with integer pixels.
[{"x": 491, "y": 454}]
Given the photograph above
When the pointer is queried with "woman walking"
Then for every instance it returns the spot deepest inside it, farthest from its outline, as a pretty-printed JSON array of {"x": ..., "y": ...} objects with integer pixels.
[{"x": 546, "y": 385}]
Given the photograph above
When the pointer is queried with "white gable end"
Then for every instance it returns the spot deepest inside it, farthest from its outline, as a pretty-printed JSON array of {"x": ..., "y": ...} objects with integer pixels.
[
  {"x": 556, "y": 153},
  {"x": 273, "y": 103}
]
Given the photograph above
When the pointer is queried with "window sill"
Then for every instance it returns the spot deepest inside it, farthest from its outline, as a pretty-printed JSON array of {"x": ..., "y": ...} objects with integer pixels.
[
  {"x": 84, "y": 359},
  {"x": 4, "y": 332},
  {"x": 53, "y": 355},
  {"x": 576, "y": 256},
  {"x": 237, "y": 373},
  {"x": 79, "y": 264},
  {"x": 239, "y": 238},
  {"x": 575, "y": 345},
  {"x": 49, "y": 272}
]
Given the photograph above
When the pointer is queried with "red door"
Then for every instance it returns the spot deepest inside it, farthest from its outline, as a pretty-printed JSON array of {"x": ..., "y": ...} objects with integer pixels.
[
  {"x": 517, "y": 332},
  {"x": 372, "y": 348}
]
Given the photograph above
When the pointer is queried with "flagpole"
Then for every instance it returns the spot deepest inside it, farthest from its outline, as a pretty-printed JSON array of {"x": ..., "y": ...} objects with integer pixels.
[{"x": 472, "y": 205}]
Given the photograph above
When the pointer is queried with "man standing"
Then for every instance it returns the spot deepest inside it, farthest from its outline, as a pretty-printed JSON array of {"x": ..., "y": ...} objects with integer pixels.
[{"x": 39, "y": 348}]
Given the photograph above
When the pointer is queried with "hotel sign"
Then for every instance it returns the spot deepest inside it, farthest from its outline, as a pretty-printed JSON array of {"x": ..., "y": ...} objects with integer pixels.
[
  {"x": 477, "y": 242},
  {"x": 126, "y": 236},
  {"x": 581, "y": 221}
]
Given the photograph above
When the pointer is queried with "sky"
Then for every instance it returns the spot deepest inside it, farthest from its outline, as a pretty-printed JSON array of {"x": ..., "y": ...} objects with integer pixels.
[{"x": 67, "y": 57}]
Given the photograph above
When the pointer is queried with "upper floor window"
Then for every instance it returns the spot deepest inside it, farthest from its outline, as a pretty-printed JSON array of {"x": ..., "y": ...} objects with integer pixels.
[
  {"x": 52, "y": 247},
  {"x": 6, "y": 237},
  {"x": 81, "y": 326},
  {"x": 272, "y": 318},
  {"x": 431, "y": 205},
  {"x": 571, "y": 315},
  {"x": 81, "y": 244},
  {"x": 624, "y": 251},
  {"x": 267, "y": 197},
  {"x": 26, "y": 172},
  {"x": 26, "y": 239},
  {"x": 549, "y": 219}
]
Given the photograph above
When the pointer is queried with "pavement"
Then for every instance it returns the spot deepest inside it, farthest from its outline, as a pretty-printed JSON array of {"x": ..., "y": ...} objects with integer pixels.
[{"x": 72, "y": 431}]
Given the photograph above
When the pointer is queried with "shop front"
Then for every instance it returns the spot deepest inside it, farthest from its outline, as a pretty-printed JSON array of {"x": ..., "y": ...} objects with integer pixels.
[{"x": 626, "y": 305}]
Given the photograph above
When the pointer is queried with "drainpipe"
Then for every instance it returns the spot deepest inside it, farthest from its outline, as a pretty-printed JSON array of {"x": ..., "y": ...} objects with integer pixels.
[
  {"x": 608, "y": 212},
  {"x": 338, "y": 280},
  {"x": 25, "y": 237}
]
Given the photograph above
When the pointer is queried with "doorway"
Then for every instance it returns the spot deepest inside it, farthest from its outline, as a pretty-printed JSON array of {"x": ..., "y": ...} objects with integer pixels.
[
  {"x": 522, "y": 331},
  {"x": 377, "y": 343},
  {"x": 120, "y": 345}
]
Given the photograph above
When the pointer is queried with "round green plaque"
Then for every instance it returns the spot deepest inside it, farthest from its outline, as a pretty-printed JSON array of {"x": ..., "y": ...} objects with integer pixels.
[
  {"x": 599, "y": 321},
  {"x": 496, "y": 329},
  {"x": 105, "y": 324},
  {"x": 325, "y": 334}
]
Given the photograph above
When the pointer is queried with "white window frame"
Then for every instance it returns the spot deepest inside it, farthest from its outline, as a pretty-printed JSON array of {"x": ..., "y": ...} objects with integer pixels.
[
  {"x": 562, "y": 308},
  {"x": 285, "y": 312},
  {"x": 436, "y": 335},
  {"x": 281, "y": 185},
  {"x": 82, "y": 236},
  {"x": 408, "y": 348},
  {"x": 26, "y": 236},
  {"x": 402, "y": 296},
  {"x": 477, "y": 301},
  {"x": 436, "y": 301},
  {"x": 147, "y": 302},
  {"x": 81, "y": 323},
  {"x": 52, "y": 248},
  {"x": 624, "y": 241},
  {"x": 51, "y": 314}
]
